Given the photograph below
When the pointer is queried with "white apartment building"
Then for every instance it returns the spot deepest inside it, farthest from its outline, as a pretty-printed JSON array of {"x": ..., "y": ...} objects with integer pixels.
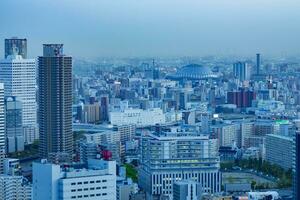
[
  {"x": 19, "y": 78},
  {"x": 174, "y": 155},
  {"x": 15, "y": 188},
  {"x": 98, "y": 182}
]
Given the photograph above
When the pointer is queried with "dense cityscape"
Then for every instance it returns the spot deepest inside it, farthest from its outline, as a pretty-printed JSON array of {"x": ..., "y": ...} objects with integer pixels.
[{"x": 146, "y": 100}]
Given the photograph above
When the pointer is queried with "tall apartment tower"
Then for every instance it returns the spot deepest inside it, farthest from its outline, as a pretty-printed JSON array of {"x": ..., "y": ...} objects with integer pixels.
[
  {"x": 257, "y": 63},
  {"x": 18, "y": 44},
  {"x": 2, "y": 128},
  {"x": 242, "y": 71},
  {"x": 19, "y": 78},
  {"x": 55, "y": 102}
]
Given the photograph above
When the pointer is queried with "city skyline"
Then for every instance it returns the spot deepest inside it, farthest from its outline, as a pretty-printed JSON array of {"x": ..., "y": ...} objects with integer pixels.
[{"x": 154, "y": 28}]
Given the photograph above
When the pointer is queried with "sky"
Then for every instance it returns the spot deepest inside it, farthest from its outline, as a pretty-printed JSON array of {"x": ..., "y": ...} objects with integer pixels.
[{"x": 164, "y": 28}]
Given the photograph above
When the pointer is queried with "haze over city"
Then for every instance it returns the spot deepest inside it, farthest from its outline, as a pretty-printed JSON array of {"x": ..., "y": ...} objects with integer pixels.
[{"x": 131, "y": 28}]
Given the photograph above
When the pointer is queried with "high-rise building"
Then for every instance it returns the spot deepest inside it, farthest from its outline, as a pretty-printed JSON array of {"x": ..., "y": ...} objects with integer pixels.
[
  {"x": 16, "y": 44},
  {"x": 55, "y": 101},
  {"x": 241, "y": 71},
  {"x": 257, "y": 63},
  {"x": 2, "y": 128},
  {"x": 14, "y": 129},
  {"x": 278, "y": 150},
  {"x": 242, "y": 98},
  {"x": 19, "y": 78},
  {"x": 180, "y": 153}
]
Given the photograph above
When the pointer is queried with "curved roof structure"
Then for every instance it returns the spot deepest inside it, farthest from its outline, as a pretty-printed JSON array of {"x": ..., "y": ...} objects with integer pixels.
[{"x": 194, "y": 72}]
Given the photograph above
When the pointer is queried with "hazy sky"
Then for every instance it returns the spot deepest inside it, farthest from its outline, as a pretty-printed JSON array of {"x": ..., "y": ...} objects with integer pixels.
[{"x": 100, "y": 28}]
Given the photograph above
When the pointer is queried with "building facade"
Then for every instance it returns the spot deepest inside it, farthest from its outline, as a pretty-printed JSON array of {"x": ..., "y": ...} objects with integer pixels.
[
  {"x": 2, "y": 128},
  {"x": 14, "y": 127},
  {"x": 55, "y": 101},
  {"x": 19, "y": 78},
  {"x": 97, "y": 182},
  {"x": 167, "y": 157}
]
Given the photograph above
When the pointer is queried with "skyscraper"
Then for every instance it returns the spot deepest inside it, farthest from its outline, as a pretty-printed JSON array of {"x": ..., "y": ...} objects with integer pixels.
[
  {"x": 55, "y": 101},
  {"x": 257, "y": 63},
  {"x": 19, "y": 78},
  {"x": 2, "y": 128},
  {"x": 16, "y": 44},
  {"x": 241, "y": 70}
]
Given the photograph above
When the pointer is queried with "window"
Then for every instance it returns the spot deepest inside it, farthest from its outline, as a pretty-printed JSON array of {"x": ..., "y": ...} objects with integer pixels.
[
  {"x": 92, "y": 181},
  {"x": 85, "y": 182},
  {"x": 79, "y": 183},
  {"x": 104, "y": 194},
  {"x": 73, "y": 183},
  {"x": 73, "y": 190},
  {"x": 103, "y": 181}
]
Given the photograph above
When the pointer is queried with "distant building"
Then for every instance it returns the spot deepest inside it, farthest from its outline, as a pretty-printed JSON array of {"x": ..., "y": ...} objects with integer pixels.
[
  {"x": 138, "y": 116},
  {"x": 278, "y": 150},
  {"x": 242, "y": 98},
  {"x": 15, "y": 44},
  {"x": 226, "y": 134},
  {"x": 97, "y": 182},
  {"x": 258, "y": 63},
  {"x": 242, "y": 71}
]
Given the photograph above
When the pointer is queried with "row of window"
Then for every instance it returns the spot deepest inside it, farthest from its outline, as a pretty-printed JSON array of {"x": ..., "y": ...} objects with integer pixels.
[
  {"x": 86, "y": 182},
  {"x": 86, "y": 189},
  {"x": 91, "y": 195}
]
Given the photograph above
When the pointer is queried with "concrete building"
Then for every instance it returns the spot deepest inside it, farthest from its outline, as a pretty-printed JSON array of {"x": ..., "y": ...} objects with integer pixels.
[
  {"x": 19, "y": 77},
  {"x": 97, "y": 182},
  {"x": 15, "y": 188},
  {"x": 226, "y": 134},
  {"x": 178, "y": 154},
  {"x": 92, "y": 113},
  {"x": 187, "y": 190},
  {"x": 14, "y": 128},
  {"x": 55, "y": 101},
  {"x": 12, "y": 167},
  {"x": 2, "y": 128},
  {"x": 138, "y": 116},
  {"x": 278, "y": 150},
  {"x": 126, "y": 188}
]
